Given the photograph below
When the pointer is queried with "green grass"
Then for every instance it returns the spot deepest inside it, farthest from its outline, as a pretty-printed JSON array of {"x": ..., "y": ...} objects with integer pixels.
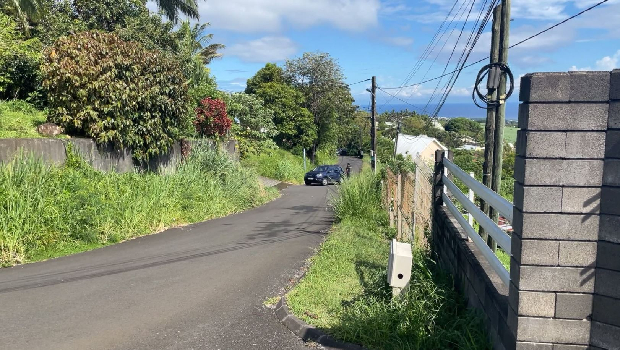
[
  {"x": 510, "y": 133},
  {"x": 19, "y": 119},
  {"x": 346, "y": 294},
  {"x": 279, "y": 165},
  {"x": 50, "y": 211}
]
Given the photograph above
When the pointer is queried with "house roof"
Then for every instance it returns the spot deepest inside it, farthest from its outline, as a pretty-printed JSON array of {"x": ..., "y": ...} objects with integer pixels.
[{"x": 413, "y": 145}]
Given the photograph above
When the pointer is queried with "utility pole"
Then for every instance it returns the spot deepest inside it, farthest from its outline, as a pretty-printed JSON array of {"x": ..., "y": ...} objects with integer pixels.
[
  {"x": 500, "y": 117},
  {"x": 489, "y": 137},
  {"x": 397, "y": 134},
  {"x": 373, "y": 127}
]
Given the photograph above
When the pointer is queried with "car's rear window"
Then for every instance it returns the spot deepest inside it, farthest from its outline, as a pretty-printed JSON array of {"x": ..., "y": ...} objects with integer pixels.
[{"x": 321, "y": 168}]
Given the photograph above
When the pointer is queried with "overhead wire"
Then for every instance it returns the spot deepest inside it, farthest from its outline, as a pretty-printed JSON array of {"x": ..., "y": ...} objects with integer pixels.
[
  {"x": 430, "y": 47},
  {"x": 464, "y": 57},
  {"x": 512, "y": 46},
  {"x": 473, "y": 2}
]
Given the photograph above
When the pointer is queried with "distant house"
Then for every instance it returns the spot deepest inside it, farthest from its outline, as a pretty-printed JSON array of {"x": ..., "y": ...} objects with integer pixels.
[
  {"x": 418, "y": 146},
  {"x": 471, "y": 148}
]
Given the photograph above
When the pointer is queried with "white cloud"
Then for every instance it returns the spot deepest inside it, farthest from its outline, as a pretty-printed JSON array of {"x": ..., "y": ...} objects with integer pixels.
[
  {"x": 266, "y": 49},
  {"x": 604, "y": 64},
  {"x": 271, "y": 15}
]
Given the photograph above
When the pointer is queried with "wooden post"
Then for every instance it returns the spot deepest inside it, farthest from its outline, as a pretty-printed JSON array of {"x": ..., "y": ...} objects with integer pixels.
[
  {"x": 489, "y": 144},
  {"x": 500, "y": 117}
]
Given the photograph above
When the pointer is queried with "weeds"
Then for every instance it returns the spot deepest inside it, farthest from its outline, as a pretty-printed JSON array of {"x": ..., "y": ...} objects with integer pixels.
[
  {"x": 346, "y": 289},
  {"x": 49, "y": 211},
  {"x": 279, "y": 165}
]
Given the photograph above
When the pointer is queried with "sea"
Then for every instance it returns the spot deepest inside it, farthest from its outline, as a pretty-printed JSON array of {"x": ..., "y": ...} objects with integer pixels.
[{"x": 453, "y": 110}]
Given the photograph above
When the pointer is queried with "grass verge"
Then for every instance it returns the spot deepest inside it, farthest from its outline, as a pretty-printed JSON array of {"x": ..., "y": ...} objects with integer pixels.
[
  {"x": 278, "y": 164},
  {"x": 345, "y": 293},
  {"x": 50, "y": 211},
  {"x": 19, "y": 119}
]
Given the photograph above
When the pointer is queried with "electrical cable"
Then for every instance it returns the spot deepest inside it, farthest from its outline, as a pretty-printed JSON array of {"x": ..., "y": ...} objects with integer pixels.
[
  {"x": 512, "y": 46},
  {"x": 473, "y": 2},
  {"x": 359, "y": 82},
  {"x": 463, "y": 58},
  {"x": 482, "y": 74},
  {"x": 430, "y": 48}
]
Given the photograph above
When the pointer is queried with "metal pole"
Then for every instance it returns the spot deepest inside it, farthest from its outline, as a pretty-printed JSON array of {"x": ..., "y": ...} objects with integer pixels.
[
  {"x": 500, "y": 117},
  {"x": 489, "y": 138},
  {"x": 304, "y": 159}
]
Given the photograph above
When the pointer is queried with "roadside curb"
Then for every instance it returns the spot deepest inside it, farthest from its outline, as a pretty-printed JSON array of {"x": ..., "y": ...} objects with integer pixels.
[{"x": 307, "y": 332}]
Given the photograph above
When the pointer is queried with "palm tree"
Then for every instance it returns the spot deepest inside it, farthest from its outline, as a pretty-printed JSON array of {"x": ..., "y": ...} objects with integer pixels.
[
  {"x": 194, "y": 41},
  {"x": 22, "y": 9},
  {"x": 172, "y": 8}
]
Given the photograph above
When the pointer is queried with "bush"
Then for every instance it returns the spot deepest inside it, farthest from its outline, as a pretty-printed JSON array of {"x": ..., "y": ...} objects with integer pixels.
[
  {"x": 20, "y": 62},
  {"x": 47, "y": 211},
  {"x": 211, "y": 118},
  {"x": 115, "y": 92}
]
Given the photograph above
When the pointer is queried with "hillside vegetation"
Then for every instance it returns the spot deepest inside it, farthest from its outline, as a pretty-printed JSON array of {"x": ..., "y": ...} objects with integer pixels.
[{"x": 49, "y": 211}]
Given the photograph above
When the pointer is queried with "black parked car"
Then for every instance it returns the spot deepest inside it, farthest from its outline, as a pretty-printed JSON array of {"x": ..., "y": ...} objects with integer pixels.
[{"x": 325, "y": 175}]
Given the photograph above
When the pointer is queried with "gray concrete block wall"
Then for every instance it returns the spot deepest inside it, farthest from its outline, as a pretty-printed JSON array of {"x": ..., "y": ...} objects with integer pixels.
[
  {"x": 473, "y": 276},
  {"x": 565, "y": 269},
  {"x": 606, "y": 300},
  {"x": 102, "y": 158}
]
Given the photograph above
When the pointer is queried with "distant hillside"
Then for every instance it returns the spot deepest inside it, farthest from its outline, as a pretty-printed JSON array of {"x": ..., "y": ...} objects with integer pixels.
[{"x": 453, "y": 110}]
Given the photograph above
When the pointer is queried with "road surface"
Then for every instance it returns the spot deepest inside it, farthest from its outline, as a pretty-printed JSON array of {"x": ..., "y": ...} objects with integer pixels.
[{"x": 197, "y": 287}]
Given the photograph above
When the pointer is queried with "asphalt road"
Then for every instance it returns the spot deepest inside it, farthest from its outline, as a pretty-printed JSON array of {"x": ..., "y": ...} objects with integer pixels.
[{"x": 197, "y": 287}]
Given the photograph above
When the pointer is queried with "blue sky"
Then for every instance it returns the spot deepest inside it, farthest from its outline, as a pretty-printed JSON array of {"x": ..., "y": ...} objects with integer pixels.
[{"x": 386, "y": 37}]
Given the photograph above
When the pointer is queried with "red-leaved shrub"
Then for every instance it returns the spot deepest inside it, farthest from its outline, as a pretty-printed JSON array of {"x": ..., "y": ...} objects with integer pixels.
[{"x": 211, "y": 118}]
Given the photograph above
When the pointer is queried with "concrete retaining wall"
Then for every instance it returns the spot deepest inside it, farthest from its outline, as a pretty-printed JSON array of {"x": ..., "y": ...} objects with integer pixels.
[
  {"x": 473, "y": 276},
  {"x": 103, "y": 158}
]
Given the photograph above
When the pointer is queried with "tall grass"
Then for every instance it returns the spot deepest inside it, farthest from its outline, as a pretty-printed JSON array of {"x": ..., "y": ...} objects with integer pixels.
[
  {"x": 48, "y": 211},
  {"x": 278, "y": 164},
  {"x": 345, "y": 290}
]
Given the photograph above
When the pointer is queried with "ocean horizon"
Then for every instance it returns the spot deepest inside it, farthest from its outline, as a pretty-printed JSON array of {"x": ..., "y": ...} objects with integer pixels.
[{"x": 453, "y": 110}]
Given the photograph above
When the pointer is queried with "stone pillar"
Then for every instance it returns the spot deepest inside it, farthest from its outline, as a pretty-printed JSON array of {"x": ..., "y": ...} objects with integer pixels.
[
  {"x": 606, "y": 309},
  {"x": 559, "y": 178}
]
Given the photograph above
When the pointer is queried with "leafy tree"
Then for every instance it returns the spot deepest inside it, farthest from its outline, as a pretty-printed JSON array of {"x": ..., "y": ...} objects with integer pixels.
[
  {"x": 22, "y": 11},
  {"x": 20, "y": 61},
  {"x": 212, "y": 119},
  {"x": 107, "y": 14},
  {"x": 295, "y": 124},
  {"x": 319, "y": 77},
  {"x": 115, "y": 92},
  {"x": 465, "y": 127},
  {"x": 270, "y": 73},
  {"x": 254, "y": 127},
  {"x": 57, "y": 18}
]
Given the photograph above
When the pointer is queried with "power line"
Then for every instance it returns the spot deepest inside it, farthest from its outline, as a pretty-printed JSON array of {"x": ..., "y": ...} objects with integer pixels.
[
  {"x": 398, "y": 98},
  {"x": 512, "y": 46},
  {"x": 359, "y": 82},
  {"x": 430, "y": 48},
  {"x": 473, "y": 3},
  {"x": 463, "y": 59}
]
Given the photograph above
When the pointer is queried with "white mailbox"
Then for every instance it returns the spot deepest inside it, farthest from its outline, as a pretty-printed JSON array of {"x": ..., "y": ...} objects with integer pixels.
[{"x": 399, "y": 266}]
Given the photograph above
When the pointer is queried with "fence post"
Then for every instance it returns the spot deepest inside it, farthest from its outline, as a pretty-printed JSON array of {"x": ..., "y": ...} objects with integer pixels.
[{"x": 438, "y": 186}]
